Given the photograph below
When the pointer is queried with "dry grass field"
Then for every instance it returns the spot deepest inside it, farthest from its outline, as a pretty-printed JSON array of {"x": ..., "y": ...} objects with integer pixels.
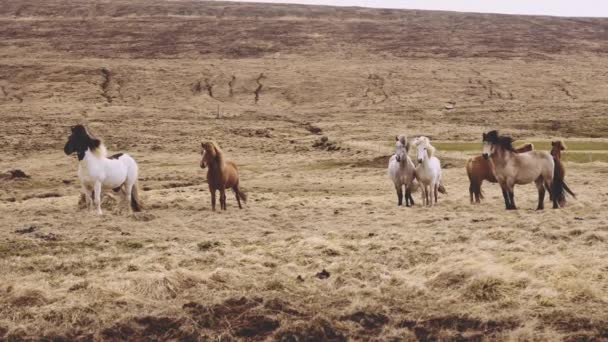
[{"x": 149, "y": 76}]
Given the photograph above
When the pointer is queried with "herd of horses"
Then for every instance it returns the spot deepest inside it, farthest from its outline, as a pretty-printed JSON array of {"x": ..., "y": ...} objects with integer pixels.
[{"x": 499, "y": 163}]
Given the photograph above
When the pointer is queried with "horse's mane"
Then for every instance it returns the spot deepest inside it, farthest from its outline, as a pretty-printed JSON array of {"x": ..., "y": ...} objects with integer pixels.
[
  {"x": 559, "y": 143},
  {"x": 422, "y": 140},
  {"x": 219, "y": 155},
  {"x": 403, "y": 140},
  {"x": 96, "y": 146},
  {"x": 504, "y": 141},
  {"x": 84, "y": 137}
]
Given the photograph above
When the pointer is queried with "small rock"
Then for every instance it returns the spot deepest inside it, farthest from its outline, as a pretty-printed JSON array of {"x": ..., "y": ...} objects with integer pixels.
[{"x": 323, "y": 274}]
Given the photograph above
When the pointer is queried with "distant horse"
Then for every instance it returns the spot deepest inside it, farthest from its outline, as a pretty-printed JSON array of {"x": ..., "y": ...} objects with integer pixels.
[
  {"x": 221, "y": 174},
  {"x": 512, "y": 168},
  {"x": 557, "y": 147},
  {"x": 480, "y": 169},
  {"x": 402, "y": 171},
  {"x": 98, "y": 173},
  {"x": 428, "y": 171}
]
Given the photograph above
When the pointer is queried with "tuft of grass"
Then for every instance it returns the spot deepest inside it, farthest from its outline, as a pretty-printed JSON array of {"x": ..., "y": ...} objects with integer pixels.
[
  {"x": 130, "y": 244},
  {"x": 486, "y": 289},
  {"x": 207, "y": 245}
]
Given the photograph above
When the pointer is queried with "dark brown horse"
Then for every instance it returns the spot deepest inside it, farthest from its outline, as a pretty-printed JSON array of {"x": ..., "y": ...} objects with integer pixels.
[
  {"x": 557, "y": 147},
  {"x": 480, "y": 169},
  {"x": 221, "y": 174}
]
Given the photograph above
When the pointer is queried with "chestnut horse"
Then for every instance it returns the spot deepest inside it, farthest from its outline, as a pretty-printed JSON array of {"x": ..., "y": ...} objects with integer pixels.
[
  {"x": 480, "y": 169},
  {"x": 512, "y": 168},
  {"x": 221, "y": 174},
  {"x": 557, "y": 147}
]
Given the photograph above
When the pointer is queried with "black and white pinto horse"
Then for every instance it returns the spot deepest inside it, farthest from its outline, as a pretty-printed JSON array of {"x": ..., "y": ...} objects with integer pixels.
[{"x": 98, "y": 173}]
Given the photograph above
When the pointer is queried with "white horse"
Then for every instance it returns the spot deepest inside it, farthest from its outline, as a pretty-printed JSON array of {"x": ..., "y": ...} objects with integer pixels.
[
  {"x": 402, "y": 172},
  {"x": 98, "y": 173},
  {"x": 428, "y": 171}
]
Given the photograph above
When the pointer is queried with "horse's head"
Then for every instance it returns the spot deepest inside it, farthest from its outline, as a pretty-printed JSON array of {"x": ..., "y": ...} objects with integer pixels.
[
  {"x": 422, "y": 152},
  {"x": 210, "y": 152},
  {"x": 80, "y": 141},
  {"x": 557, "y": 147},
  {"x": 492, "y": 141},
  {"x": 401, "y": 147}
]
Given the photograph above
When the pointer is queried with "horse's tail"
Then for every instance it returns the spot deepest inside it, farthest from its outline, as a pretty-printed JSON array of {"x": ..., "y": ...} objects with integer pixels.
[
  {"x": 442, "y": 189},
  {"x": 242, "y": 195},
  {"x": 474, "y": 188},
  {"x": 135, "y": 201},
  {"x": 557, "y": 187},
  {"x": 568, "y": 190}
]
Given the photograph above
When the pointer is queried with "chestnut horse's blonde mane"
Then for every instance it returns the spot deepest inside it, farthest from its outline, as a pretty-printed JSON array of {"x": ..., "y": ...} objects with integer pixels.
[{"x": 215, "y": 151}]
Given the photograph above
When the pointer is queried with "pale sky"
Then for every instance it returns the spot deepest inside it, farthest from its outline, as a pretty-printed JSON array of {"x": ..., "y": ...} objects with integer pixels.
[{"x": 569, "y": 8}]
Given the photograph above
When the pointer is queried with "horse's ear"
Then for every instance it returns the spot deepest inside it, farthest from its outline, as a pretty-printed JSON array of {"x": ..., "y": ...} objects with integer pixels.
[
  {"x": 396, "y": 138},
  {"x": 73, "y": 128},
  {"x": 553, "y": 143},
  {"x": 483, "y": 136}
]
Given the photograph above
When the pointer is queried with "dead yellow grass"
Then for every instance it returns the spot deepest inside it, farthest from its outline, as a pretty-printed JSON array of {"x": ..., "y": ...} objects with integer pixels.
[{"x": 180, "y": 271}]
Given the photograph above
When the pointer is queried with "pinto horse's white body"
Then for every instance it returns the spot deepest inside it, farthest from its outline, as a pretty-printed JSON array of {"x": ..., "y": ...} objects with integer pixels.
[
  {"x": 98, "y": 173},
  {"x": 428, "y": 172}
]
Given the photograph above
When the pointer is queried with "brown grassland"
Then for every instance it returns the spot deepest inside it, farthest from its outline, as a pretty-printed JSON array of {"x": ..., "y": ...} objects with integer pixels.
[{"x": 149, "y": 76}]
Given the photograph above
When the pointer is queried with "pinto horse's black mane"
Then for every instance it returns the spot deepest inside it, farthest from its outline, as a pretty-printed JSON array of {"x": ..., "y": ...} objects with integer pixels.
[
  {"x": 80, "y": 141},
  {"x": 503, "y": 141}
]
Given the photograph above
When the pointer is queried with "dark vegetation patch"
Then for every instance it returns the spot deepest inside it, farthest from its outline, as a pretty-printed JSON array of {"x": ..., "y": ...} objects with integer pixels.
[
  {"x": 312, "y": 128},
  {"x": 318, "y": 329},
  {"x": 368, "y": 320},
  {"x": 208, "y": 245},
  {"x": 14, "y": 174},
  {"x": 150, "y": 328},
  {"x": 578, "y": 328},
  {"x": 253, "y": 132},
  {"x": 243, "y": 316},
  {"x": 460, "y": 328},
  {"x": 323, "y": 143}
]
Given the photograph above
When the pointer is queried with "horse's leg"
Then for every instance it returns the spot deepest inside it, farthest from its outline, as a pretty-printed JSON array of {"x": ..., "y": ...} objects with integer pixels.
[
  {"x": 128, "y": 193},
  {"x": 512, "y": 197},
  {"x": 436, "y": 191},
  {"x": 88, "y": 196},
  {"x": 408, "y": 195},
  {"x": 97, "y": 190},
  {"x": 212, "y": 191},
  {"x": 471, "y": 191},
  {"x": 236, "y": 193},
  {"x": 399, "y": 194},
  {"x": 478, "y": 191},
  {"x": 223, "y": 198},
  {"x": 505, "y": 195},
  {"x": 409, "y": 191},
  {"x": 541, "y": 194}
]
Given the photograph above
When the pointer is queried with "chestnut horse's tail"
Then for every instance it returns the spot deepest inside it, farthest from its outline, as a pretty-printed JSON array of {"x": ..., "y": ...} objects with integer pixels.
[
  {"x": 242, "y": 195},
  {"x": 474, "y": 184}
]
